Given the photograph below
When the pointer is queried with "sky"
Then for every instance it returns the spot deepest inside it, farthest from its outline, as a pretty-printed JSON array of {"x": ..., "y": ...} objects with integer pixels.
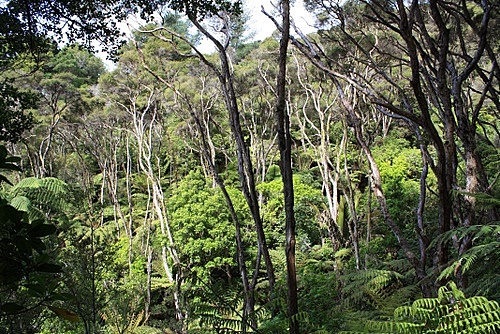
[{"x": 263, "y": 27}]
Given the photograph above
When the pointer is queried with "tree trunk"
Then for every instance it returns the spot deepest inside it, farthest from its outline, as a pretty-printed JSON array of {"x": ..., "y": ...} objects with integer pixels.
[
  {"x": 245, "y": 166},
  {"x": 285, "y": 145},
  {"x": 349, "y": 196}
]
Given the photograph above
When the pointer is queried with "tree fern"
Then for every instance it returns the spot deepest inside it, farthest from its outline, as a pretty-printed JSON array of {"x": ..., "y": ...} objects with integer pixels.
[
  {"x": 216, "y": 308},
  {"x": 481, "y": 259},
  {"x": 49, "y": 195},
  {"x": 358, "y": 285},
  {"x": 450, "y": 312},
  {"x": 218, "y": 317}
]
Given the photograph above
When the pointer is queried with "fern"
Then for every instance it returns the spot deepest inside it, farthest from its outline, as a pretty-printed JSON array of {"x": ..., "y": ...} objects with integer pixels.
[
  {"x": 450, "y": 312},
  {"x": 149, "y": 330},
  {"x": 49, "y": 195},
  {"x": 116, "y": 324},
  {"x": 217, "y": 309},
  {"x": 368, "y": 283},
  {"x": 21, "y": 203},
  {"x": 481, "y": 259}
]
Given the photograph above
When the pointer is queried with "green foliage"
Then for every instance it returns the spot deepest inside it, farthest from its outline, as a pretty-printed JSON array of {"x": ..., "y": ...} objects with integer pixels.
[
  {"x": 479, "y": 261},
  {"x": 7, "y": 163},
  {"x": 15, "y": 115},
  {"x": 218, "y": 312},
  {"x": 399, "y": 167},
  {"x": 105, "y": 269},
  {"x": 97, "y": 275},
  {"x": 47, "y": 197},
  {"x": 199, "y": 10},
  {"x": 450, "y": 312},
  {"x": 203, "y": 223},
  {"x": 29, "y": 274},
  {"x": 308, "y": 200},
  {"x": 83, "y": 68},
  {"x": 319, "y": 289},
  {"x": 365, "y": 289}
]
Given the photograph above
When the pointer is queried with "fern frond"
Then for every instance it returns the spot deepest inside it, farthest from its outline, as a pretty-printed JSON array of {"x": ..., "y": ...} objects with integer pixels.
[
  {"x": 450, "y": 312},
  {"x": 477, "y": 231},
  {"x": 470, "y": 257},
  {"x": 21, "y": 203},
  {"x": 49, "y": 194},
  {"x": 148, "y": 330}
]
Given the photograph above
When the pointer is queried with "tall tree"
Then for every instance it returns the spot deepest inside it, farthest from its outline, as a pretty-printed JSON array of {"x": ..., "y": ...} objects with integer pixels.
[
  {"x": 285, "y": 146},
  {"x": 445, "y": 49},
  {"x": 221, "y": 38}
]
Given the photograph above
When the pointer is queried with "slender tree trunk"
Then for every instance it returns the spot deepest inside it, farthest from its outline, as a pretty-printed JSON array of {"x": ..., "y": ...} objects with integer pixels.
[
  {"x": 208, "y": 151},
  {"x": 285, "y": 145},
  {"x": 130, "y": 206},
  {"x": 248, "y": 289},
  {"x": 420, "y": 228},
  {"x": 368, "y": 220},
  {"x": 46, "y": 144},
  {"x": 245, "y": 167},
  {"x": 349, "y": 196},
  {"x": 149, "y": 270},
  {"x": 330, "y": 173}
]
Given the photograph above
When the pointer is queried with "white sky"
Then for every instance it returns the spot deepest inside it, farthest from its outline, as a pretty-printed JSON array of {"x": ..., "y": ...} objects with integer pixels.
[
  {"x": 261, "y": 24},
  {"x": 263, "y": 27}
]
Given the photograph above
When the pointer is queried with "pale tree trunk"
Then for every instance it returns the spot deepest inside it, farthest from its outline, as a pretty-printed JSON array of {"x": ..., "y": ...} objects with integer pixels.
[
  {"x": 145, "y": 129},
  {"x": 314, "y": 55},
  {"x": 106, "y": 158},
  {"x": 208, "y": 150},
  {"x": 208, "y": 158},
  {"x": 258, "y": 129},
  {"x": 445, "y": 75},
  {"x": 324, "y": 105},
  {"x": 129, "y": 230},
  {"x": 224, "y": 74},
  {"x": 368, "y": 221},
  {"x": 42, "y": 161},
  {"x": 349, "y": 196},
  {"x": 148, "y": 253},
  {"x": 45, "y": 145},
  {"x": 245, "y": 166},
  {"x": 248, "y": 288}
]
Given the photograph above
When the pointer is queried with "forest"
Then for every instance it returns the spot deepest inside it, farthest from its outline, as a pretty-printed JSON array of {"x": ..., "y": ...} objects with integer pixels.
[{"x": 339, "y": 181}]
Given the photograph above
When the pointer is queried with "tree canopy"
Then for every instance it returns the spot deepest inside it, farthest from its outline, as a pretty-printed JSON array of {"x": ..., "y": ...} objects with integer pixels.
[{"x": 343, "y": 181}]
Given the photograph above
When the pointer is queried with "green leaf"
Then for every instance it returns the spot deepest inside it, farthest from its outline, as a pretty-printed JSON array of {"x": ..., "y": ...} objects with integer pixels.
[
  {"x": 36, "y": 290},
  {"x": 64, "y": 314},
  {"x": 21, "y": 203},
  {"x": 38, "y": 245},
  {"x": 9, "y": 166}
]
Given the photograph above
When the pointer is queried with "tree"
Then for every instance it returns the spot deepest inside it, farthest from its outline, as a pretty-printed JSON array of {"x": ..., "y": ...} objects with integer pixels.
[
  {"x": 30, "y": 274},
  {"x": 225, "y": 75},
  {"x": 64, "y": 94},
  {"x": 285, "y": 147},
  {"x": 14, "y": 120},
  {"x": 424, "y": 87}
]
